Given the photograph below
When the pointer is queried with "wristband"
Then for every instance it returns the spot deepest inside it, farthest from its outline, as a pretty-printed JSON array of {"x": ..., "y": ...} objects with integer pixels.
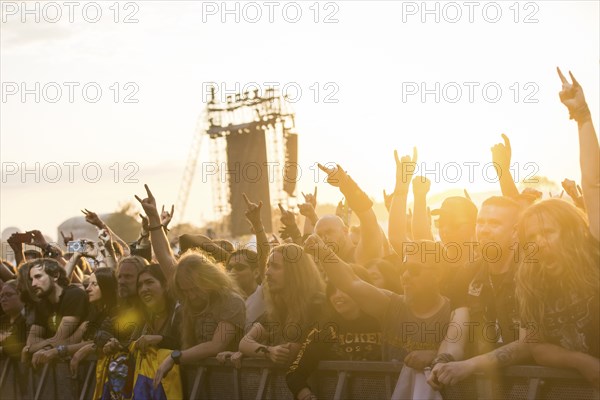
[
  {"x": 357, "y": 199},
  {"x": 442, "y": 358},
  {"x": 262, "y": 349},
  {"x": 62, "y": 351}
]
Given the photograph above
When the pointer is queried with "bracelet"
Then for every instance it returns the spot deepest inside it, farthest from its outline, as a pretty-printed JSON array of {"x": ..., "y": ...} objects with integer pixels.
[
  {"x": 442, "y": 358},
  {"x": 155, "y": 228},
  {"x": 62, "y": 351},
  {"x": 262, "y": 349}
]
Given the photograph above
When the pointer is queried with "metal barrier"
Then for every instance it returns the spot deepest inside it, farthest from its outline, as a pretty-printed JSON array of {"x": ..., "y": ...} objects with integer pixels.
[{"x": 260, "y": 380}]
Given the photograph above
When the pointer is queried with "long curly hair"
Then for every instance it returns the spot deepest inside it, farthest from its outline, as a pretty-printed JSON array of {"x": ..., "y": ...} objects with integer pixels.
[
  {"x": 304, "y": 289},
  {"x": 578, "y": 253},
  {"x": 209, "y": 278}
]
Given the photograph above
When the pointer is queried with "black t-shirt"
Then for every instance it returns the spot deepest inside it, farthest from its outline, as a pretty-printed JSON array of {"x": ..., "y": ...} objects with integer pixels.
[
  {"x": 73, "y": 302},
  {"x": 491, "y": 302},
  {"x": 573, "y": 322},
  {"x": 339, "y": 339}
]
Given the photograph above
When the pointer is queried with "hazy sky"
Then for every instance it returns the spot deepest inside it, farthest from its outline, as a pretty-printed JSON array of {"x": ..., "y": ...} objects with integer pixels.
[{"x": 372, "y": 58}]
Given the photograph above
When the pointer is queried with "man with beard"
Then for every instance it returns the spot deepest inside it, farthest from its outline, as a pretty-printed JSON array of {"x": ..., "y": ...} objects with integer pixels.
[
  {"x": 61, "y": 309},
  {"x": 483, "y": 296},
  {"x": 129, "y": 320}
]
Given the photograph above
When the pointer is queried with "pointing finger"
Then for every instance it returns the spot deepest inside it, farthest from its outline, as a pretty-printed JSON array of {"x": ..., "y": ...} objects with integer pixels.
[
  {"x": 138, "y": 199},
  {"x": 414, "y": 157},
  {"x": 281, "y": 208}
]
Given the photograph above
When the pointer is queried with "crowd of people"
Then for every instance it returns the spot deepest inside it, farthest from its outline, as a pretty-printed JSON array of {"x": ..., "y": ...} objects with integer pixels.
[{"x": 434, "y": 301}]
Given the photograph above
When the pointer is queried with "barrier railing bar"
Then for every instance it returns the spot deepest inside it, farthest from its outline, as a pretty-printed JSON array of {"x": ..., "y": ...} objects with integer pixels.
[
  {"x": 5, "y": 371},
  {"x": 88, "y": 376},
  {"x": 236, "y": 384},
  {"x": 484, "y": 388},
  {"x": 197, "y": 381},
  {"x": 533, "y": 387},
  {"x": 42, "y": 381},
  {"x": 264, "y": 377},
  {"x": 340, "y": 388}
]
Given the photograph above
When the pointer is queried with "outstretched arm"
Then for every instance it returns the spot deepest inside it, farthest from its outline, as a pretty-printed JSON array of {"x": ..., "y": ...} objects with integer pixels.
[
  {"x": 405, "y": 168},
  {"x": 159, "y": 240},
  {"x": 371, "y": 300},
  {"x": 572, "y": 97},
  {"x": 93, "y": 218},
  {"x": 370, "y": 245},
  {"x": 501, "y": 155},
  {"x": 262, "y": 242},
  {"x": 421, "y": 221}
]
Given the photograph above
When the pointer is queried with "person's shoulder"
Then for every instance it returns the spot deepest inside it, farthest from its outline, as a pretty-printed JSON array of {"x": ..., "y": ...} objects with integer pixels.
[{"x": 75, "y": 291}]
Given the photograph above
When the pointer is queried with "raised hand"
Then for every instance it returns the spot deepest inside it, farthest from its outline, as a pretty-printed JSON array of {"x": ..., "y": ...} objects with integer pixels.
[
  {"x": 316, "y": 247},
  {"x": 311, "y": 198},
  {"x": 145, "y": 223},
  {"x": 405, "y": 169},
  {"x": 307, "y": 209},
  {"x": 501, "y": 154},
  {"x": 387, "y": 200},
  {"x": 421, "y": 186},
  {"x": 165, "y": 216},
  {"x": 335, "y": 176},
  {"x": 253, "y": 211},
  {"x": 37, "y": 239},
  {"x": 93, "y": 218},
  {"x": 344, "y": 212},
  {"x": 287, "y": 217},
  {"x": 572, "y": 96},
  {"x": 574, "y": 191},
  {"x": 66, "y": 239},
  {"x": 149, "y": 204}
]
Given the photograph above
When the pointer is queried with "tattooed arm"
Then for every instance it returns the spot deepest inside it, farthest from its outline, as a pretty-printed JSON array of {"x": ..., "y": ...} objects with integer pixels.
[{"x": 451, "y": 373}]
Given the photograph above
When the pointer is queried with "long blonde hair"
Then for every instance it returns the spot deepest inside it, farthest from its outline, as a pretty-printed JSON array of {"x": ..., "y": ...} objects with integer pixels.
[
  {"x": 578, "y": 253},
  {"x": 208, "y": 277},
  {"x": 304, "y": 289}
]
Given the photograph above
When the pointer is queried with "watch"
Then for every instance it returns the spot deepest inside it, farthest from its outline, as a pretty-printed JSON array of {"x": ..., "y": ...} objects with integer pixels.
[
  {"x": 262, "y": 349},
  {"x": 176, "y": 356}
]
